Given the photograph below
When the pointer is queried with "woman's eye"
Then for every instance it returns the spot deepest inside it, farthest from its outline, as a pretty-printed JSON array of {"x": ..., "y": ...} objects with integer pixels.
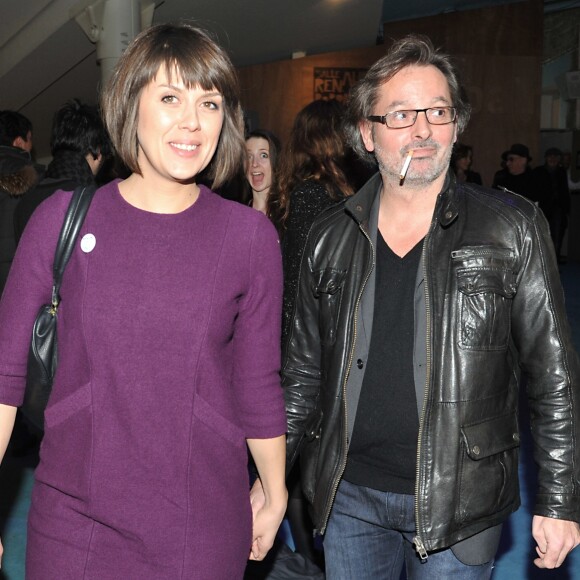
[
  {"x": 211, "y": 105},
  {"x": 264, "y": 156},
  {"x": 169, "y": 99}
]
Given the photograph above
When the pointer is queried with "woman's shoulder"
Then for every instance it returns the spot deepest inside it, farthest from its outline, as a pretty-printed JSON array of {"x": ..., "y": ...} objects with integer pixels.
[{"x": 309, "y": 188}]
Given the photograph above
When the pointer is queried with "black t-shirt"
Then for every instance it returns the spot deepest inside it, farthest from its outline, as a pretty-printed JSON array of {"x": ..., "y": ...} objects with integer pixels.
[{"x": 383, "y": 448}]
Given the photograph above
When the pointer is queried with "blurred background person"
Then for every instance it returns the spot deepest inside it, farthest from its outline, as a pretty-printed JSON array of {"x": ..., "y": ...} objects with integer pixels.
[
  {"x": 552, "y": 181},
  {"x": 18, "y": 174},
  {"x": 15, "y": 130},
  {"x": 262, "y": 149},
  {"x": 311, "y": 176},
  {"x": 78, "y": 144},
  {"x": 518, "y": 176},
  {"x": 461, "y": 160}
]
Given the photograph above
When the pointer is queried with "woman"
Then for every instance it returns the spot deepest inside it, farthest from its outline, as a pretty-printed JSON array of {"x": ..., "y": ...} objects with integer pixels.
[
  {"x": 461, "y": 161},
  {"x": 262, "y": 148},
  {"x": 311, "y": 177},
  {"x": 168, "y": 363}
]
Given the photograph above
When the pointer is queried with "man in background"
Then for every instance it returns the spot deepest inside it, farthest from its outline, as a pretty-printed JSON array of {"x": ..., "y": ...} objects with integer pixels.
[{"x": 79, "y": 144}]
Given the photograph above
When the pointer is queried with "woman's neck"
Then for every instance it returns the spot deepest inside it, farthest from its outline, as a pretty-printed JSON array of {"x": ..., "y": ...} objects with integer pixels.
[{"x": 260, "y": 200}]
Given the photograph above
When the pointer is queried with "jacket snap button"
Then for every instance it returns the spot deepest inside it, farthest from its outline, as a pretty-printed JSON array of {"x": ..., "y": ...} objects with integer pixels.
[
  {"x": 476, "y": 450},
  {"x": 448, "y": 215},
  {"x": 359, "y": 363},
  {"x": 516, "y": 436}
]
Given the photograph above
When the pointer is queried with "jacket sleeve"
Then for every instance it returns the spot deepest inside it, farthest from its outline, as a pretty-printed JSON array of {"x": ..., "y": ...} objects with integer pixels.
[
  {"x": 301, "y": 368},
  {"x": 552, "y": 373}
]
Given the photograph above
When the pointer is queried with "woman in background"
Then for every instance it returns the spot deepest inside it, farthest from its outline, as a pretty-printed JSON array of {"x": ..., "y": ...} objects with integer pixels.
[
  {"x": 311, "y": 177},
  {"x": 461, "y": 160},
  {"x": 168, "y": 350},
  {"x": 262, "y": 149}
]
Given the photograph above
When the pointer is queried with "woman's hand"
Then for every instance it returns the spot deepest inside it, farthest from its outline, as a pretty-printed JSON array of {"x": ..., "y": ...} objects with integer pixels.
[
  {"x": 266, "y": 521},
  {"x": 268, "y": 496}
]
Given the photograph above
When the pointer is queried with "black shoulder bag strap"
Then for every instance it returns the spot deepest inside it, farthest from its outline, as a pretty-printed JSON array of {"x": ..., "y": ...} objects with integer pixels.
[
  {"x": 73, "y": 221},
  {"x": 43, "y": 355}
]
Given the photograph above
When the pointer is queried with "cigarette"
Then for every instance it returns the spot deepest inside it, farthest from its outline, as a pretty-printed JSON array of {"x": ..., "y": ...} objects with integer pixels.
[{"x": 406, "y": 165}]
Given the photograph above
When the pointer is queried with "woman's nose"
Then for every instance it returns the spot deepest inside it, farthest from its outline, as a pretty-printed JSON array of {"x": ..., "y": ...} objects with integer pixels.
[{"x": 190, "y": 119}]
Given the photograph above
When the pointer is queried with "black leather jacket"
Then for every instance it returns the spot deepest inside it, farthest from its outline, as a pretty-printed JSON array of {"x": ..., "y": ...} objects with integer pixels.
[{"x": 493, "y": 304}]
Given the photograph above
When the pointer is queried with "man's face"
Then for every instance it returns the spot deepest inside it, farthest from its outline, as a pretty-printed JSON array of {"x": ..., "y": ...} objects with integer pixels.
[
  {"x": 516, "y": 164},
  {"x": 414, "y": 87},
  {"x": 553, "y": 161}
]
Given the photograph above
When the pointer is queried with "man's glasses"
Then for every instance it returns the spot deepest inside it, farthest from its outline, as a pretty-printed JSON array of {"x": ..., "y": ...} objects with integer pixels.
[{"x": 407, "y": 118}]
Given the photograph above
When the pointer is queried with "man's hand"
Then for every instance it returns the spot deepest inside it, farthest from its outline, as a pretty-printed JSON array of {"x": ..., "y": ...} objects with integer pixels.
[{"x": 555, "y": 539}]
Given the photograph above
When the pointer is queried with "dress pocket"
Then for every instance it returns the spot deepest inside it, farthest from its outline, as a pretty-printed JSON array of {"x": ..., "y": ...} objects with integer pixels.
[
  {"x": 218, "y": 423},
  {"x": 66, "y": 408}
]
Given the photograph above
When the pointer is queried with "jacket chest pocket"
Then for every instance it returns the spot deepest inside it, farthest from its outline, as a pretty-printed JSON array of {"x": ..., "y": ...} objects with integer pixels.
[
  {"x": 485, "y": 297},
  {"x": 327, "y": 289}
]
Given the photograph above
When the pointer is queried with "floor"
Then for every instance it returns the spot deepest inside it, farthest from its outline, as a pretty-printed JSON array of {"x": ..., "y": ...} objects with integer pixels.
[{"x": 515, "y": 557}]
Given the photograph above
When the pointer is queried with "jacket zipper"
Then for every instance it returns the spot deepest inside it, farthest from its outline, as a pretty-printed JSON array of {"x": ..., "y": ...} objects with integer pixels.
[
  {"x": 349, "y": 366},
  {"x": 417, "y": 540},
  {"x": 469, "y": 253}
]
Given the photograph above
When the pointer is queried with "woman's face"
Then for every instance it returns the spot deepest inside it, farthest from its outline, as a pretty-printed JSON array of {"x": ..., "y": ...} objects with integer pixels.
[
  {"x": 463, "y": 163},
  {"x": 178, "y": 128},
  {"x": 259, "y": 166}
]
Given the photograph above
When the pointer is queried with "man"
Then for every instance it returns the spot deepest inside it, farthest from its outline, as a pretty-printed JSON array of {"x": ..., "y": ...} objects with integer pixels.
[
  {"x": 419, "y": 300},
  {"x": 518, "y": 176},
  {"x": 78, "y": 144},
  {"x": 555, "y": 203},
  {"x": 17, "y": 175},
  {"x": 15, "y": 130}
]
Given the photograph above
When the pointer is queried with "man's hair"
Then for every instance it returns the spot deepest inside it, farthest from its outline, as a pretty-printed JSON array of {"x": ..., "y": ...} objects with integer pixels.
[
  {"x": 413, "y": 50},
  {"x": 13, "y": 125},
  {"x": 78, "y": 127},
  {"x": 179, "y": 49}
]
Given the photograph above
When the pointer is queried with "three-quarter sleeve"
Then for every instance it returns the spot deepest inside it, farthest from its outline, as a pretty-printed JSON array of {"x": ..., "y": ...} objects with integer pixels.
[{"x": 257, "y": 339}]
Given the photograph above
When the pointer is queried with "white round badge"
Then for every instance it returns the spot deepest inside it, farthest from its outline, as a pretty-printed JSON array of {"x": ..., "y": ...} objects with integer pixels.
[{"x": 88, "y": 243}]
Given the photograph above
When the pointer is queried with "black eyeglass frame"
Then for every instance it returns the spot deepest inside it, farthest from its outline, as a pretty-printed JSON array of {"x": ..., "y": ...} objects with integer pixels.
[{"x": 382, "y": 119}]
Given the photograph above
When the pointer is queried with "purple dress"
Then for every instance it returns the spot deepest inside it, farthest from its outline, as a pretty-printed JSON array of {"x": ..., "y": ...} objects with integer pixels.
[{"x": 169, "y": 332}]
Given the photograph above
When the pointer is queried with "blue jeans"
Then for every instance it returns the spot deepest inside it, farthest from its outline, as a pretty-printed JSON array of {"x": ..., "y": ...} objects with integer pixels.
[{"x": 370, "y": 536}]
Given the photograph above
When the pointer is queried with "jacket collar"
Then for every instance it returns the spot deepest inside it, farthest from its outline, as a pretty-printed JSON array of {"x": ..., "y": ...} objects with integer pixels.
[
  {"x": 446, "y": 209},
  {"x": 359, "y": 205}
]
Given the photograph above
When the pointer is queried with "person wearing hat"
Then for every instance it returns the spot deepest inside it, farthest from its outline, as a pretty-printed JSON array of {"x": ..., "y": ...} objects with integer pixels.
[
  {"x": 518, "y": 177},
  {"x": 552, "y": 181}
]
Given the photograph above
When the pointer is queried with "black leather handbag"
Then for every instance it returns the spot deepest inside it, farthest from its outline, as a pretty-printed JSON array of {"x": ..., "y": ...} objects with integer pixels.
[{"x": 42, "y": 356}]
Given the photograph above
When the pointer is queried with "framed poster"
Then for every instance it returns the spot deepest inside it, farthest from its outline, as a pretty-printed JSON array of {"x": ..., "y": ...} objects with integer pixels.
[{"x": 335, "y": 82}]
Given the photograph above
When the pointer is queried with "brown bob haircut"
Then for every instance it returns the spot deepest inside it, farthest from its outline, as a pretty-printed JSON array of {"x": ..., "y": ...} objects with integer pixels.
[{"x": 182, "y": 50}]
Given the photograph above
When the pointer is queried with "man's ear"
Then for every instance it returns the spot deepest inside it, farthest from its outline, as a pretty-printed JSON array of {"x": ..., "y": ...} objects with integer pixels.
[
  {"x": 366, "y": 131},
  {"x": 19, "y": 142}
]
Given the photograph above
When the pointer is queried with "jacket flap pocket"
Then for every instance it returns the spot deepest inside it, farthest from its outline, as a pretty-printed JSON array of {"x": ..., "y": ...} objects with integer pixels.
[
  {"x": 491, "y": 437},
  {"x": 479, "y": 280},
  {"x": 328, "y": 281}
]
